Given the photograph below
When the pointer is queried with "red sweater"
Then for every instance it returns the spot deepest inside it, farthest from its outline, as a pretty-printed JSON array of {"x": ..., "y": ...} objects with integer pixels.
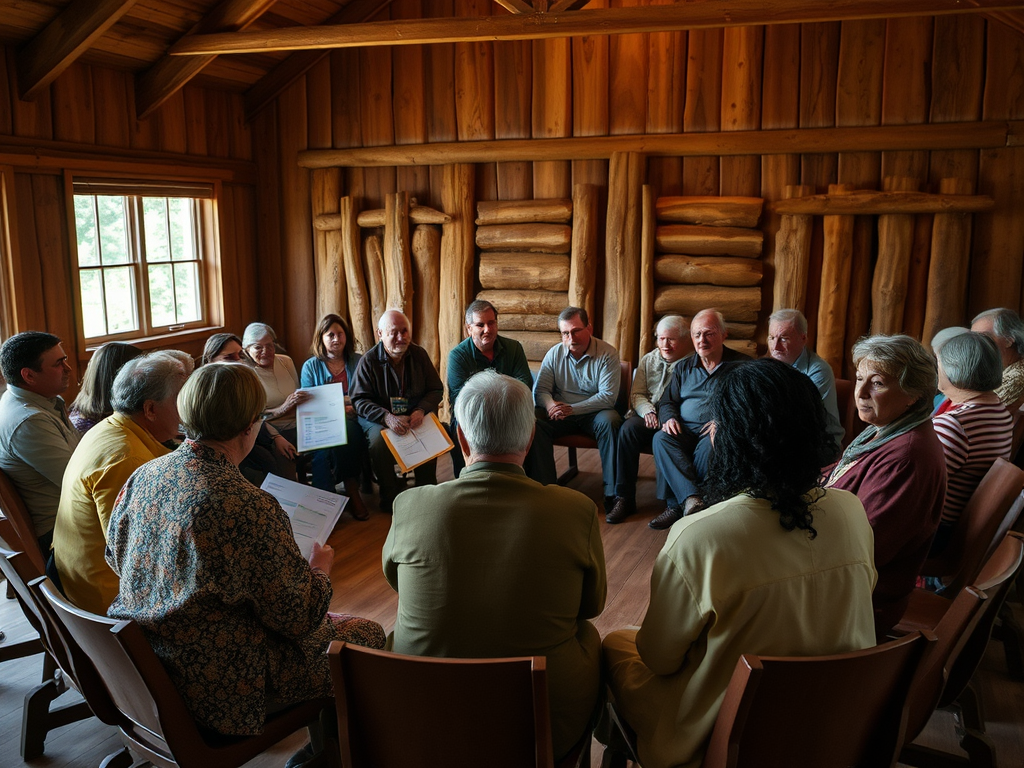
[{"x": 902, "y": 486}]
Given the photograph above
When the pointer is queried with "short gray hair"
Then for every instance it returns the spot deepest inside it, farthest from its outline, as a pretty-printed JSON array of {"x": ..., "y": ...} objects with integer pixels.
[
  {"x": 945, "y": 335},
  {"x": 1007, "y": 325},
  {"x": 478, "y": 307},
  {"x": 794, "y": 316},
  {"x": 495, "y": 413},
  {"x": 392, "y": 311},
  {"x": 719, "y": 317},
  {"x": 155, "y": 377},
  {"x": 187, "y": 361},
  {"x": 673, "y": 321},
  {"x": 972, "y": 362},
  {"x": 256, "y": 331},
  {"x": 902, "y": 358}
]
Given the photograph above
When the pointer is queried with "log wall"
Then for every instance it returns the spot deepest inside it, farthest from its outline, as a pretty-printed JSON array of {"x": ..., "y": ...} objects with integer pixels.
[
  {"x": 846, "y": 74},
  {"x": 85, "y": 121}
]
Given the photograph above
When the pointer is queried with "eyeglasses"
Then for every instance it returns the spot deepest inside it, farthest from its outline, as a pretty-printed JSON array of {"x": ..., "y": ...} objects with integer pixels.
[{"x": 572, "y": 332}]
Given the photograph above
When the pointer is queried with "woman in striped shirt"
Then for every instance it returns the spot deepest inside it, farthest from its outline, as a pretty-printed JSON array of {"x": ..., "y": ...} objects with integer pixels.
[{"x": 977, "y": 430}]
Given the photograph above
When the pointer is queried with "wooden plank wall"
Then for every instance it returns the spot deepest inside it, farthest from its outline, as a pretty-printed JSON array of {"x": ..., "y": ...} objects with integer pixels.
[
  {"x": 862, "y": 73},
  {"x": 90, "y": 111}
]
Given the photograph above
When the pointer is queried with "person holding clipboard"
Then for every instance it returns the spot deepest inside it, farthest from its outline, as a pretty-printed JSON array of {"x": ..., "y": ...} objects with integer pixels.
[{"x": 395, "y": 387}]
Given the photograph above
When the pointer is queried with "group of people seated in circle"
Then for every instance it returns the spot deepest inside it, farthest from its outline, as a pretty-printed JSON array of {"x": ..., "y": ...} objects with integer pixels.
[{"x": 781, "y": 541}]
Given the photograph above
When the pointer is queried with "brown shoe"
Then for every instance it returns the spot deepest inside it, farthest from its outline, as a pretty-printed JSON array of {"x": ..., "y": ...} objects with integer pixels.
[
  {"x": 666, "y": 518},
  {"x": 356, "y": 506},
  {"x": 620, "y": 510}
]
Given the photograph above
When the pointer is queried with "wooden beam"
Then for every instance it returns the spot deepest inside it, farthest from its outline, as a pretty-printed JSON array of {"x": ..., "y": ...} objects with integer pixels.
[
  {"x": 977, "y": 135},
  {"x": 867, "y": 202},
  {"x": 566, "y": 5},
  {"x": 161, "y": 81},
  {"x": 600, "y": 21},
  {"x": 55, "y": 48},
  {"x": 1013, "y": 19},
  {"x": 267, "y": 88},
  {"x": 516, "y": 6}
]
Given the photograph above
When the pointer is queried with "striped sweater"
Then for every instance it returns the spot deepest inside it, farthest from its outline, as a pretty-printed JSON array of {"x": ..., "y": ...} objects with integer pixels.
[{"x": 973, "y": 436}]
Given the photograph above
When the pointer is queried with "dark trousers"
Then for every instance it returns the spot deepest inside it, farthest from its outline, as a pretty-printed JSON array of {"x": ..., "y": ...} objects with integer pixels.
[
  {"x": 682, "y": 462},
  {"x": 635, "y": 437},
  {"x": 539, "y": 464},
  {"x": 383, "y": 462},
  {"x": 330, "y": 466},
  {"x": 602, "y": 426}
]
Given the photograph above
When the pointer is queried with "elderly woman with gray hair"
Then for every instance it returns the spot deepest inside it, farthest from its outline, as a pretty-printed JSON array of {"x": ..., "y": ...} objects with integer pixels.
[
  {"x": 896, "y": 466},
  {"x": 278, "y": 375},
  {"x": 1006, "y": 329},
  {"x": 977, "y": 429},
  {"x": 145, "y": 415}
]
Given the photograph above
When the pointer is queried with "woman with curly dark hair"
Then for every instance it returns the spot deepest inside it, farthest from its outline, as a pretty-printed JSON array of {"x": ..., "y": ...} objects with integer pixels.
[{"x": 775, "y": 565}]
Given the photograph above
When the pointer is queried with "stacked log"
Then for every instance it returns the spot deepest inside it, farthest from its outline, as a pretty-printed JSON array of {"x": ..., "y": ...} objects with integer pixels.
[
  {"x": 525, "y": 269},
  {"x": 706, "y": 255}
]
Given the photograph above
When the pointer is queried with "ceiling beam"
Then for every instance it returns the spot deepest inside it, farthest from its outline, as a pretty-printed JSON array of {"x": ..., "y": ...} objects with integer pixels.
[
  {"x": 170, "y": 73},
  {"x": 267, "y": 88},
  {"x": 41, "y": 60},
  {"x": 516, "y": 6},
  {"x": 1014, "y": 21},
  {"x": 566, "y": 5},
  {"x": 608, "y": 21}
]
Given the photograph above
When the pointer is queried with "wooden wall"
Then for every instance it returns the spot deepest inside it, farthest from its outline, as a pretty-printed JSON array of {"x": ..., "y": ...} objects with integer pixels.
[
  {"x": 85, "y": 121},
  {"x": 861, "y": 73}
]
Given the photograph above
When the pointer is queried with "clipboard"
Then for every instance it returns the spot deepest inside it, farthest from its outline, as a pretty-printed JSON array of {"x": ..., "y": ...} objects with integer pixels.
[{"x": 420, "y": 445}]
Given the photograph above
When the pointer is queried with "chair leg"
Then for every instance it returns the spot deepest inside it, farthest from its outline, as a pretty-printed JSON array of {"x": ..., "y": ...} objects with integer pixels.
[
  {"x": 927, "y": 757},
  {"x": 35, "y": 718},
  {"x": 120, "y": 759},
  {"x": 1009, "y": 632},
  {"x": 973, "y": 740},
  {"x": 573, "y": 468}
]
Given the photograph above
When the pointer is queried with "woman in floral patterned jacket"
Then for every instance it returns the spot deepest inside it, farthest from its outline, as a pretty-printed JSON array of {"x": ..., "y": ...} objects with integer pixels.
[{"x": 210, "y": 570}]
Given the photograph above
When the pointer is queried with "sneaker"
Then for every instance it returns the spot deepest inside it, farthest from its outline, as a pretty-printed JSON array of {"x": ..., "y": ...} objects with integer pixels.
[
  {"x": 666, "y": 518},
  {"x": 620, "y": 510}
]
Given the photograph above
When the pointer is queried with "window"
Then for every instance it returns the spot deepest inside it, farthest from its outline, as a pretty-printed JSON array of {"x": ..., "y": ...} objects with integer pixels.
[{"x": 140, "y": 257}]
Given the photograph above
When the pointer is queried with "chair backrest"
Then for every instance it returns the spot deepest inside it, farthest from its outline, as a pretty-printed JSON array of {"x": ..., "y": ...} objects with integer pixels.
[
  {"x": 990, "y": 512},
  {"x": 995, "y": 581},
  {"x": 19, "y": 570},
  {"x": 17, "y": 514},
  {"x": 625, "y": 383},
  {"x": 842, "y": 710},
  {"x": 453, "y": 712}
]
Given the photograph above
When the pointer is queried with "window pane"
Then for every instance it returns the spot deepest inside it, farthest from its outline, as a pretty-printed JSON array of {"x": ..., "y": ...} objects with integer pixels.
[
  {"x": 186, "y": 288},
  {"x": 120, "y": 295},
  {"x": 155, "y": 218},
  {"x": 85, "y": 230},
  {"x": 93, "y": 321},
  {"x": 161, "y": 294},
  {"x": 182, "y": 231},
  {"x": 113, "y": 230}
]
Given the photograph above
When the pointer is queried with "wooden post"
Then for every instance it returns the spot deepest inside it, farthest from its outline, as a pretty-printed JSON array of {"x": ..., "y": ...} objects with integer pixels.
[
  {"x": 950, "y": 264},
  {"x": 375, "y": 276},
  {"x": 889, "y": 285},
  {"x": 457, "y": 199},
  {"x": 858, "y": 311},
  {"x": 426, "y": 260},
  {"x": 836, "y": 264},
  {"x": 359, "y": 307},
  {"x": 917, "y": 277},
  {"x": 647, "y": 228},
  {"x": 398, "y": 289},
  {"x": 622, "y": 252},
  {"x": 328, "y": 262},
  {"x": 792, "y": 255},
  {"x": 583, "y": 264}
]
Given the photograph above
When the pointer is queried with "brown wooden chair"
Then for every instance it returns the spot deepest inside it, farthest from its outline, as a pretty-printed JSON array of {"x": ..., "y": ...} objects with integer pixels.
[
  {"x": 17, "y": 514},
  {"x": 22, "y": 648},
  {"x": 154, "y": 720},
  {"x": 459, "y": 713},
  {"x": 843, "y": 710},
  {"x": 993, "y": 585},
  {"x": 576, "y": 442}
]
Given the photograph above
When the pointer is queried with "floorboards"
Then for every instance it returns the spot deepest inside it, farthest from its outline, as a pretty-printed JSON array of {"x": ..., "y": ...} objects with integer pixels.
[{"x": 360, "y": 589}]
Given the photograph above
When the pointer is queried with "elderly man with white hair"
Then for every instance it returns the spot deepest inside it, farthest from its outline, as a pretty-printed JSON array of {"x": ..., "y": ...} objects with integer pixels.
[
  {"x": 144, "y": 397},
  {"x": 494, "y": 564},
  {"x": 395, "y": 387},
  {"x": 637, "y": 432},
  {"x": 787, "y": 343},
  {"x": 1006, "y": 329}
]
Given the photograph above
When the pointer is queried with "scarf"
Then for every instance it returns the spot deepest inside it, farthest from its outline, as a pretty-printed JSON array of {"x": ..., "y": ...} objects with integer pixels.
[{"x": 874, "y": 437}]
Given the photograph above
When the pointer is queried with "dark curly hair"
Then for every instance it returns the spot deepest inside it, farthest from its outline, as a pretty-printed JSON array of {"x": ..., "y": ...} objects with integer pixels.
[{"x": 770, "y": 440}]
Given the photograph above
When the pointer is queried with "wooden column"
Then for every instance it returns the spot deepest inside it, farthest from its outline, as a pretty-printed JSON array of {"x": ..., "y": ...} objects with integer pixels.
[
  {"x": 426, "y": 260},
  {"x": 889, "y": 285},
  {"x": 375, "y": 276},
  {"x": 328, "y": 261},
  {"x": 792, "y": 255},
  {"x": 359, "y": 306},
  {"x": 398, "y": 287},
  {"x": 583, "y": 264},
  {"x": 457, "y": 200},
  {"x": 648, "y": 225},
  {"x": 622, "y": 252},
  {"x": 950, "y": 264},
  {"x": 836, "y": 265}
]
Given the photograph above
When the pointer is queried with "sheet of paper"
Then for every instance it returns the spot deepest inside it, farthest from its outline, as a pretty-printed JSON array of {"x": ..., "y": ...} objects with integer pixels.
[
  {"x": 321, "y": 419},
  {"x": 313, "y": 513},
  {"x": 419, "y": 445}
]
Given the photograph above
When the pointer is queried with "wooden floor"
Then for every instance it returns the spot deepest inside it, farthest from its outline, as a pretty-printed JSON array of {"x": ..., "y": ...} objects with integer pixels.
[{"x": 360, "y": 589}]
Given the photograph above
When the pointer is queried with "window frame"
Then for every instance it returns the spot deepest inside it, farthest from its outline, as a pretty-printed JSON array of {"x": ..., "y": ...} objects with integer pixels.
[{"x": 207, "y": 241}]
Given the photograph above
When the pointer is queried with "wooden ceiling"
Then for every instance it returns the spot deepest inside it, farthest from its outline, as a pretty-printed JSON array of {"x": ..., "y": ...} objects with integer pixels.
[{"x": 168, "y": 43}]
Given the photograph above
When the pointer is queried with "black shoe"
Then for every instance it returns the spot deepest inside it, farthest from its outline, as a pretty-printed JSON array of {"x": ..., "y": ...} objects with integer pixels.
[
  {"x": 693, "y": 505},
  {"x": 300, "y": 758},
  {"x": 666, "y": 518},
  {"x": 620, "y": 510}
]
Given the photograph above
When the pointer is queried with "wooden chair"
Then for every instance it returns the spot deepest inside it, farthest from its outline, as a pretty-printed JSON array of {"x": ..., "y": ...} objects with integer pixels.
[
  {"x": 459, "y": 713},
  {"x": 576, "y": 442},
  {"x": 16, "y": 512},
  {"x": 153, "y": 718},
  {"x": 38, "y": 718},
  {"x": 993, "y": 585},
  {"x": 19, "y": 650},
  {"x": 843, "y": 710}
]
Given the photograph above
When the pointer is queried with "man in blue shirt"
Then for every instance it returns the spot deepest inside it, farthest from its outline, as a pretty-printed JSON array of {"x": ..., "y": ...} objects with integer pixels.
[{"x": 485, "y": 349}]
